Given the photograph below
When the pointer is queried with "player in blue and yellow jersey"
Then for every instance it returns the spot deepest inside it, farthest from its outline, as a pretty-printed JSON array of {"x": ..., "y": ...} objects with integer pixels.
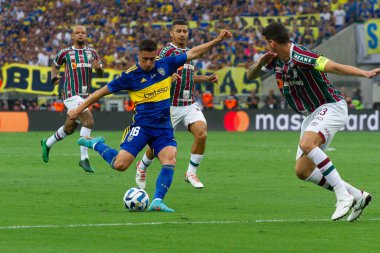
[
  {"x": 148, "y": 83},
  {"x": 302, "y": 79}
]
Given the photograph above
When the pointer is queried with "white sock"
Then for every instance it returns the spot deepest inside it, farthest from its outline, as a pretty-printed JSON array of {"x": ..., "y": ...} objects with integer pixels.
[
  {"x": 317, "y": 178},
  {"x": 57, "y": 136},
  {"x": 145, "y": 162},
  {"x": 195, "y": 160},
  {"x": 84, "y": 132},
  {"x": 329, "y": 172}
]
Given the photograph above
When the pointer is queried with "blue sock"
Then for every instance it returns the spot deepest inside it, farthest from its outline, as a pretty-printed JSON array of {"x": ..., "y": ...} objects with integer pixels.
[
  {"x": 164, "y": 181},
  {"x": 109, "y": 154}
]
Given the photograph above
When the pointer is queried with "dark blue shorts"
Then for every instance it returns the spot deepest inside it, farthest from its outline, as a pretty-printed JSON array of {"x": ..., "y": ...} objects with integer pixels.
[{"x": 135, "y": 138}]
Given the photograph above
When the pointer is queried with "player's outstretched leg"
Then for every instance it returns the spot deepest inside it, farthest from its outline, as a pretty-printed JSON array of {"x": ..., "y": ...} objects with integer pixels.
[
  {"x": 90, "y": 142},
  {"x": 163, "y": 183}
]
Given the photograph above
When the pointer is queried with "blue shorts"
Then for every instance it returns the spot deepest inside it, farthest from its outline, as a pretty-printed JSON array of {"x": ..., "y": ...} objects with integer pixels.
[{"x": 135, "y": 139}]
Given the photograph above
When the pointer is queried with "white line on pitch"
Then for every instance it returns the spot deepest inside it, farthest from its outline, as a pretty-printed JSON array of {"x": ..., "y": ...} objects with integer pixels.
[{"x": 168, "y": 223}]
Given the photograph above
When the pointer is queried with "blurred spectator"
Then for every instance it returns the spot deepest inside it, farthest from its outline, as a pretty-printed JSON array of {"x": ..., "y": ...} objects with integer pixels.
[
  {"x": 357, "y": 99},
  {"x": 18, "y": 105},
  {"x": 231, "y": 102},
  {"x": 339, "y": 17},
  {"x": 253, "y": 100},
  {"x": 271, "y": 101},
  {"x": 207, "y": 100},
  {"x": 128, "y": 104}
]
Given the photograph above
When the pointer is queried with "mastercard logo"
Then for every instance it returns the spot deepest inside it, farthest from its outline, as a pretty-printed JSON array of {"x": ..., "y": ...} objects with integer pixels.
[{"x": 236, "y": 121}]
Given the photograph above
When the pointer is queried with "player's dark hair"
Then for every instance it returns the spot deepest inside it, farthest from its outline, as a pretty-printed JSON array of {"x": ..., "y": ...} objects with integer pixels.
[
  {"x": 179, "y": 22},
  {"x": 276, "y": 32},
  {"x": 148, "y": 45}
]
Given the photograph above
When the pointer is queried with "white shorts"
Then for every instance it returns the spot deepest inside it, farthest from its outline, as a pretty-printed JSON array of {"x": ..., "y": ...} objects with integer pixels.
[
  {"x": 73, "y": 103},
  {"x": 186, "y": 114},
  {"x": 326, "y": 120}
]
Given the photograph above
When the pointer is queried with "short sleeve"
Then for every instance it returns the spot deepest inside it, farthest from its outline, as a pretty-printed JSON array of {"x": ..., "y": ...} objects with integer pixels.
[
  {"x": 119, "y": 83},
  {"x": 60, "y": 58}
]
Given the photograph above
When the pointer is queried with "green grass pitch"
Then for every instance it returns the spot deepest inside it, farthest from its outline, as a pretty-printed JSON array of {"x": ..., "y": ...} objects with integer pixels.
[{"x": 252, "y": 200}]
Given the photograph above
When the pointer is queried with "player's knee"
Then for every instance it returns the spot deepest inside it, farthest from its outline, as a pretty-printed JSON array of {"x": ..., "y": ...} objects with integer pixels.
[
  {"x": 69, "y": 130},
  {"x": 119, "y": 166},
  {"x": 301, "y": 173},
  {"x": 201, "y": 137},
  {"x": 307, "y": 145},
  {"x": 89, "y": 123}
]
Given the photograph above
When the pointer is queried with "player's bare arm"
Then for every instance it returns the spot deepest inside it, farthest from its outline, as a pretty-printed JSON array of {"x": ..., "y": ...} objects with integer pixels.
[
  {"x": 98, "y": 68},
  {"x": 198, "y": 51},
  {"x": 104, "y": 91},
  {"x": 55, "y": 74},
  {"x": 254, "y": 71},
  {"x": 341, "y": 69},
  {"x": 203, "y": 78}
]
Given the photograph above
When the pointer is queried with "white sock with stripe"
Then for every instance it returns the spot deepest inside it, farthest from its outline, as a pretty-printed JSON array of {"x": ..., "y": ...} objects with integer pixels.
[
  {"x": 84, "y": 132},
  {"x": 57, "y": 136},
  {"x": 195, "y": 160},
  {"x": 144, "y": 163},
  {"x": 329, "y": 172},
  {"x": 317, "y": 178}
]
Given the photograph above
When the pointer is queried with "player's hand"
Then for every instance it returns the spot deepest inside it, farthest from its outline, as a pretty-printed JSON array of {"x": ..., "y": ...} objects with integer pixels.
[
  {"x": 176, "y": 77},
  {"x": 55, "y": 80},
  {"x": 267, "y": 58},
  {"x": 213, "y": 79},
  {"x": 73, "y": 114},
  {"x": 96, "y": 64},
  {"x": 224, "y": 34},
  {"x": 372, "y": 73}
]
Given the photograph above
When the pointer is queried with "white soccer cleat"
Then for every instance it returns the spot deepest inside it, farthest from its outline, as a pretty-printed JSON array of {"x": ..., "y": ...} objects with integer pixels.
[
  {"x": 343, "y": 206},
  {"x": 140, "y": 176},
  {"x": 359, "y": 206},
  {"x": 193, "y": 180}
]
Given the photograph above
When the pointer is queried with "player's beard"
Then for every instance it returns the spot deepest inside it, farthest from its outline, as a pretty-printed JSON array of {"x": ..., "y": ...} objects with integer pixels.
[{"x": 80, "y": 42}]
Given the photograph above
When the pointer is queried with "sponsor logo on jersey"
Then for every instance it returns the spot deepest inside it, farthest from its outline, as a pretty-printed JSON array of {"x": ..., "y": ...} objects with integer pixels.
[
  {"x": 292, "y": 83},
  {"x": 84, "y": 65},
  {"x": 302, "y": 58},
  {"x": 156, "y": 92}
]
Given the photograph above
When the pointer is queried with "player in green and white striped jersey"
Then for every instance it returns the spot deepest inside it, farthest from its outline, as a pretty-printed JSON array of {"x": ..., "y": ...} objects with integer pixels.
[
  {"x": 79, "y": 61},
  {"x": 183, "y": 107}
]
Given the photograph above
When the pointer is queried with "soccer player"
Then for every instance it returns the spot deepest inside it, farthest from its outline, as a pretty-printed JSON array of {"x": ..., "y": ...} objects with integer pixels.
[
  {"x": 79, "y": 61},
  {"x": 148, "y": 84},
  {"x": 183, "y": 107},
  {"x": 302, "y": 79}
]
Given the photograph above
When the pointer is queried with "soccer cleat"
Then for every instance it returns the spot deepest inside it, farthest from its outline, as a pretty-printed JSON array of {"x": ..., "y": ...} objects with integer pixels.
[
  {"x": 343, "y": 206},
  {"x": 193, "y": 180},
  {"x": 359, "y": 206},
  {"x": 89, "y": 141},
  {"x": 45, "y": 150},
  {"x": 140, "y": 176},
  {"x": 158, "y": 206},
  {"x": 85, "y": 164}
]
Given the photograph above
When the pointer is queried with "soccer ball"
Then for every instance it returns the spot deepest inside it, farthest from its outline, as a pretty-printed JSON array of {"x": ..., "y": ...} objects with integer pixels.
[{"x": 136, "y": 200}]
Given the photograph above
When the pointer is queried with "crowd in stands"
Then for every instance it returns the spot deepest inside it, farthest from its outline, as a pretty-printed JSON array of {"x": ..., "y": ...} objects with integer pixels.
[{"x": 34, "y": 31}]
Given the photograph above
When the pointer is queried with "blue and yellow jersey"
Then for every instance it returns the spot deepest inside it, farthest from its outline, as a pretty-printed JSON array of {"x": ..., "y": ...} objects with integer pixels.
[{"x": 150, "y": 91}]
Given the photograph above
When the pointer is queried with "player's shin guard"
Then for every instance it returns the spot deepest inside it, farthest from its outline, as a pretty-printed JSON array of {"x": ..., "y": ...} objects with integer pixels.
[
  {"x": 106, "y": 152},
  {"x": 164, "y": 181}
]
